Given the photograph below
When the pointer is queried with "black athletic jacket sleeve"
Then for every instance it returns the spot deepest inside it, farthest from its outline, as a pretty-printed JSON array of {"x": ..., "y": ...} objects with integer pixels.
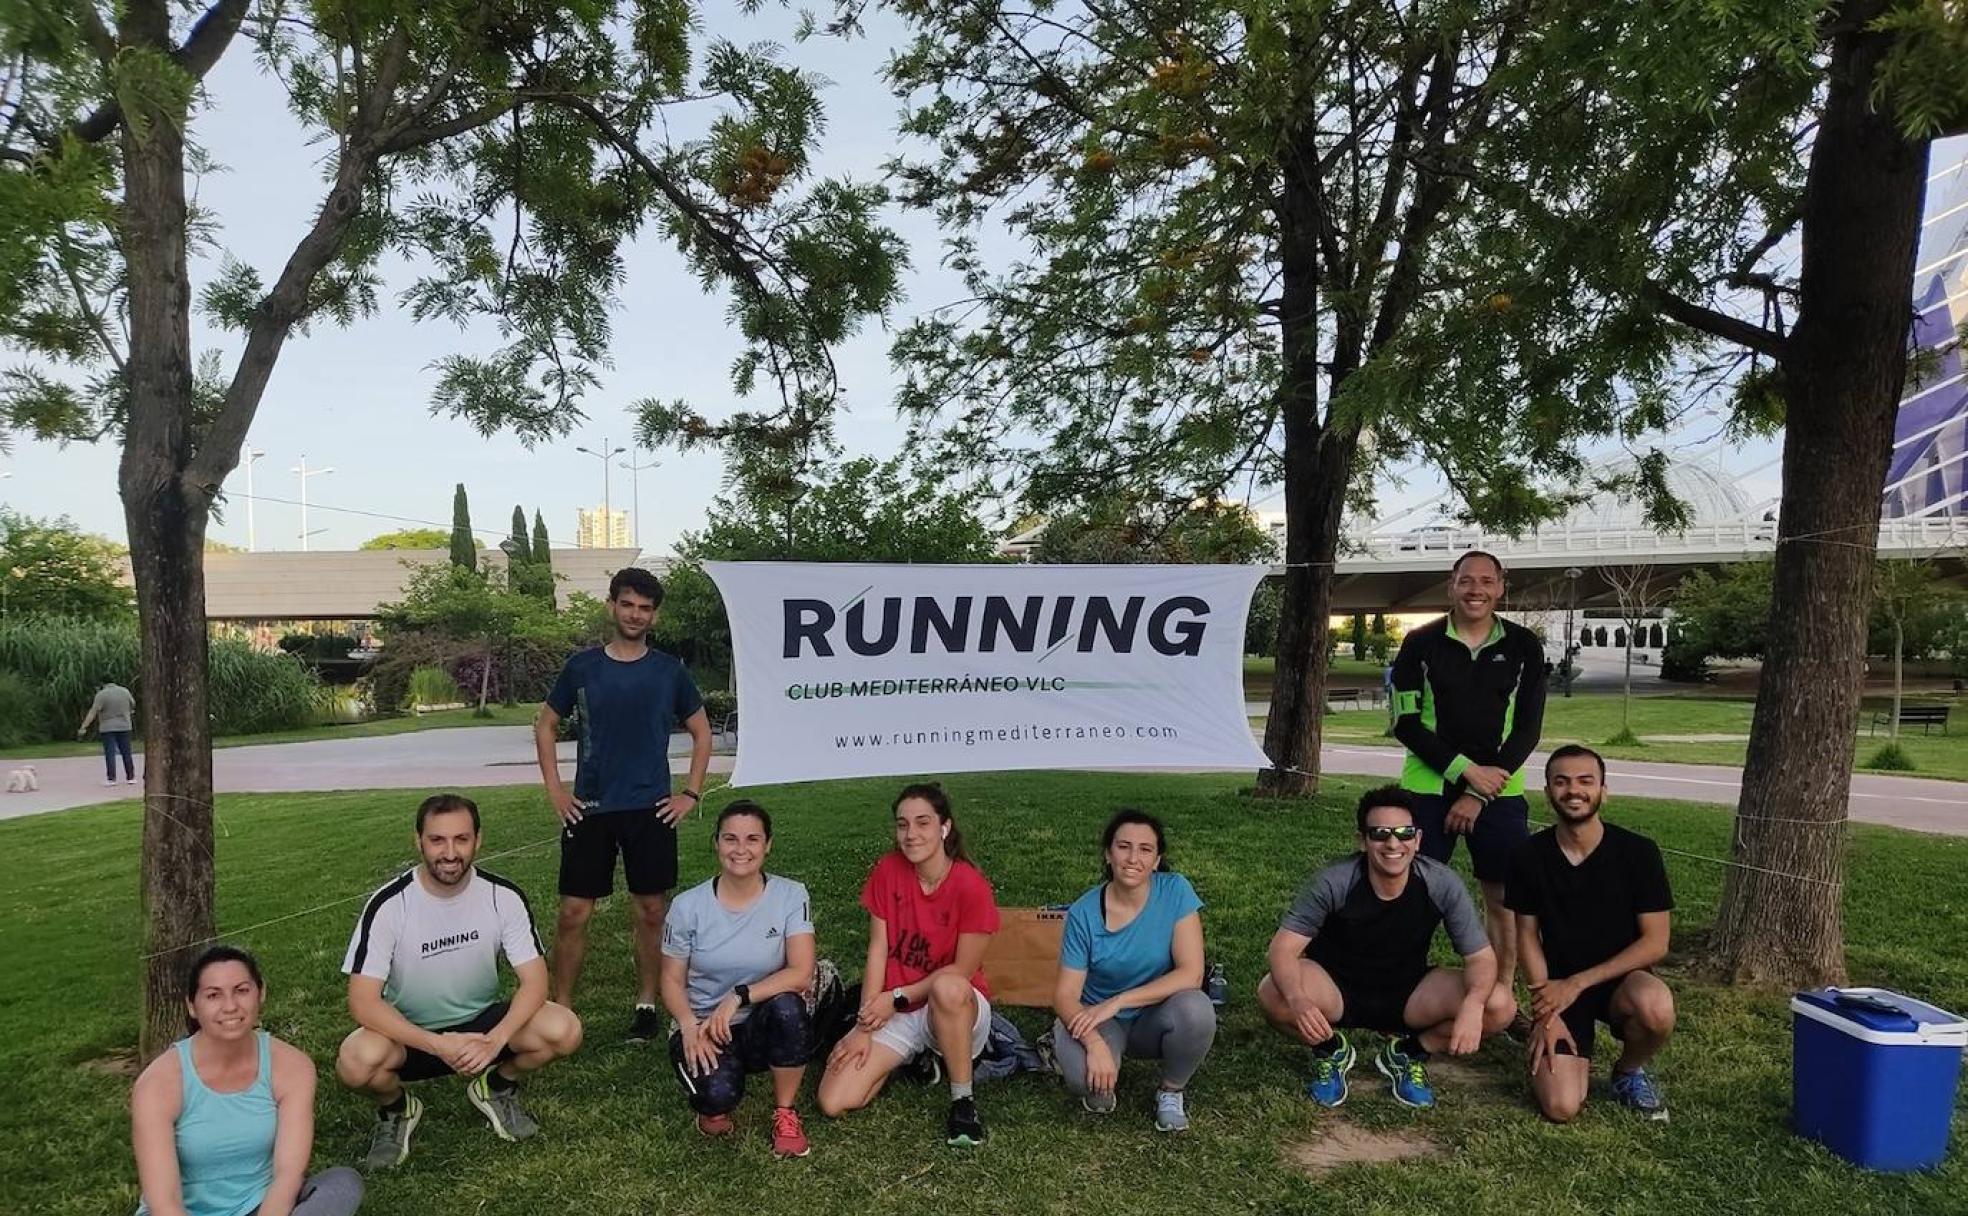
[{"x": 1410, "y": 672}]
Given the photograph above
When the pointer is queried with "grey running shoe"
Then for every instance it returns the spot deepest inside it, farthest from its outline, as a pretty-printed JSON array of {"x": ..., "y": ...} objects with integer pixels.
[
  {"x": 1169, "y": 1115},
  {"x": 1099, "y": 1104},
  {"x": 501, "y": 1108},
  {"x": 391, "y": 1142}
]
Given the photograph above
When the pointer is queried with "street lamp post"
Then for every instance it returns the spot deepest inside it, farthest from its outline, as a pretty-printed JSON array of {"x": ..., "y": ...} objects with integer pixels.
[
  {"x": 607, "y": 457},
  {"x": 252, "y": 537},
  {"x": 306, "y": 473},
  {"x": 635, "y": 492},
  {"x": 1572, "y": 577}
]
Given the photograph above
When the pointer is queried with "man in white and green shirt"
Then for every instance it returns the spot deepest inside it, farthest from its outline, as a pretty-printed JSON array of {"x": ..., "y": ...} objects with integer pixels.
[{"x": 423, "y": 968}]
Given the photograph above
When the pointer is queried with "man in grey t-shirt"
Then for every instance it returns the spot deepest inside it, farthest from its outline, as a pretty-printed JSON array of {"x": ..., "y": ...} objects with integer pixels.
[
  {"x": 114, "y": 712},
  {"x": 1353, "y": 952}
]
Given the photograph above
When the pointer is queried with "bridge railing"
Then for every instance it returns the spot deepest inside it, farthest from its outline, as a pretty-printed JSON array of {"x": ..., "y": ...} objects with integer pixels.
[{"x": 1924, "y": 535}]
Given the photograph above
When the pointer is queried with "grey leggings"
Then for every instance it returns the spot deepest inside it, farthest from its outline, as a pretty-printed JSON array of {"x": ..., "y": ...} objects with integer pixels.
[
  {"x": 336, "y": 1191},
  {"x": 1178, "y": 1032}
]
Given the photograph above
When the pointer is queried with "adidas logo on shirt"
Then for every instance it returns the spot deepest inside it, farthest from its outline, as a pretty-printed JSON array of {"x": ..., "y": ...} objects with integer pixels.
[{"x": 773, "y": 931}]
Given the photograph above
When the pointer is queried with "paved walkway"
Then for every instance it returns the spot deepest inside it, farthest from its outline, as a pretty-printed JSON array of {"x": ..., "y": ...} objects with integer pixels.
[
  {"x": 462, "y": 757},
  {"x": 452, "y": 757}
]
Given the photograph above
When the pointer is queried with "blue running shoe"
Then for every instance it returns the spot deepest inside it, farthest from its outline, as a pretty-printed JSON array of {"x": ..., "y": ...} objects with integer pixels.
[
  {"x": 1328, "y": 1084},
  {"x": 1408, "y": 1077},
  {"x": 1637, "y": 1092}
]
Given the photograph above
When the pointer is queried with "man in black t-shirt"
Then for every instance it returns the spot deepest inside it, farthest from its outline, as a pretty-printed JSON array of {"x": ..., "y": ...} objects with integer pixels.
[
  {"x": 1592, "y": 905},
  {"x": 1352, "y": 952}
]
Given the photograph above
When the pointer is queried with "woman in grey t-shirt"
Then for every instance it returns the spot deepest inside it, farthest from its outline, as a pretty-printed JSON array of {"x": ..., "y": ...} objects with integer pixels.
[{"x": 737, "y": 958}]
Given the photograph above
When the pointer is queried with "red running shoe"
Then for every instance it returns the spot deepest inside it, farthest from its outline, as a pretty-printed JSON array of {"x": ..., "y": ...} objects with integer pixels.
[{"x": 788, "y": 1137}]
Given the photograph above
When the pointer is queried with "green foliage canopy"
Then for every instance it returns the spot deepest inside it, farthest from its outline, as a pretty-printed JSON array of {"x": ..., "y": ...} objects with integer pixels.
[
  {"x": 408, "y": 538},
  {"x": 51, "y": 567},
  {"x": 860, "y": 510}
]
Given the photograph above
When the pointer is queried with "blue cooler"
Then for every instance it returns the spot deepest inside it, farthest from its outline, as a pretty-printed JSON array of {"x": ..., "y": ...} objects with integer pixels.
[{"x": 1873, "y": 1075}]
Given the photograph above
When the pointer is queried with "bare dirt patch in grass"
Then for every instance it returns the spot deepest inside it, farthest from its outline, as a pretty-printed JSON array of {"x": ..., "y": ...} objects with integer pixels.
[
  {"x": 120, "y": 1062},
  {"x": 1343, "y": 1144}
]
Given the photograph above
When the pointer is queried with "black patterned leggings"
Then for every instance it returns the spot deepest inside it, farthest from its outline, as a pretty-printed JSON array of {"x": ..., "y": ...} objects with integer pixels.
[{"x": 778, "y": 1034}]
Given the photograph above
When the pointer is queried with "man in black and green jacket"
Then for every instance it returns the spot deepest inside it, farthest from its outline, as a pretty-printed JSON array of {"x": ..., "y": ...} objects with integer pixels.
[{"x": 1469, "y": 707}]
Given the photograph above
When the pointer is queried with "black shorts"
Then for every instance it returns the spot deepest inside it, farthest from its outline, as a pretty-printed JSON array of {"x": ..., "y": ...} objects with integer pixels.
[
  {"x": 587, "y": 854},
  {"x": 422, "y": 1065},
  {"x": 1380, "y": 1007},
  {"x": 1593, "y": 1006},
  {"x": 1504, "y": 824}
]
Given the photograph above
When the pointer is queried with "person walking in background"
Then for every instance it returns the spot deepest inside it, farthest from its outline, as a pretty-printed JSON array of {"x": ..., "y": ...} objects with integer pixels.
[{"x": 114, "y": 713}]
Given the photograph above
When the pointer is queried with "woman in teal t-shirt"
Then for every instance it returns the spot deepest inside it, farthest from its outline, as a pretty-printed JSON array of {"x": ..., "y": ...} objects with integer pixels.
[
  {"x": 223, "y": 1123},
  {"x": 1130, "y": 975}
]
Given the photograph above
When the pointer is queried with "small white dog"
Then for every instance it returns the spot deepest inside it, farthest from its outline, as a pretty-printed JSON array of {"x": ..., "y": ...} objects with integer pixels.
[{"x": 22, "y": 780}]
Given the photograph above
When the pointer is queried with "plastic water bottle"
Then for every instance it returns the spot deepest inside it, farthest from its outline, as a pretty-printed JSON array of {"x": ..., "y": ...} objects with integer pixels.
[{"x": 1216, "y": 985}]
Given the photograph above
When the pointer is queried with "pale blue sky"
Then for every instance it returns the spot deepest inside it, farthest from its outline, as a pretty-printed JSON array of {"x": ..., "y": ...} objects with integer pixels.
[{"x": 356, "y": 399}]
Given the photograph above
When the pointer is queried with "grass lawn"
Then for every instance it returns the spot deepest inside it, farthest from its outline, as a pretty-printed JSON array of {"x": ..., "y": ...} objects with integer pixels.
[
  {"x": 1594, "y": 718},
  {"x": 517, "y": 715},
  {"x": 618, "y": 1138},
  {"x": 1347, "y": 672}
]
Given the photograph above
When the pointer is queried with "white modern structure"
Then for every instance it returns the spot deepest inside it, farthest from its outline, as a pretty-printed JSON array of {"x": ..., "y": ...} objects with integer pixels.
[{"x": 1929, "y": 472}]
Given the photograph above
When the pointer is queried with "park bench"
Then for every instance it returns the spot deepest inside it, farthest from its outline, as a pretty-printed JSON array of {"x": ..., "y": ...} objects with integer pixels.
[
  {"x": 1926, "y": 717},
  {"x": 725, "y": 724}
]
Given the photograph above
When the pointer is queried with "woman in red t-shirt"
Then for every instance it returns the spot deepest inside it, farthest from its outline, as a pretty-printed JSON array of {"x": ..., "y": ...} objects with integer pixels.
[{"x": 930, "y": 915}]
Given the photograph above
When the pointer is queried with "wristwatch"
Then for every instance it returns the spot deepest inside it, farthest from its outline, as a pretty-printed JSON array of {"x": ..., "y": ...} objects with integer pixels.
[
  {"x": 744, "y": 994},
  {"x": 901, "y": 1000}
]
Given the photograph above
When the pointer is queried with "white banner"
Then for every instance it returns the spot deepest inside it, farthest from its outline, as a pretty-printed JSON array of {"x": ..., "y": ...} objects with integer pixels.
[{"x": 868, "y": 670}]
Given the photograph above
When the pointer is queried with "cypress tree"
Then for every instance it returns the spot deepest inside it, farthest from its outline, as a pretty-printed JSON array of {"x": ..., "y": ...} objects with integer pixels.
[
  {"x": 464, "y": 551},
  {"x": 522, "y": 549},
  {"x": 542, "y": 558}
]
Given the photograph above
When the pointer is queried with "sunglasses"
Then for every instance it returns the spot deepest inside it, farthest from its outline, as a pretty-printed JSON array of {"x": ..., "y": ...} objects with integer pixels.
[{"x": 1382, "y": 835}]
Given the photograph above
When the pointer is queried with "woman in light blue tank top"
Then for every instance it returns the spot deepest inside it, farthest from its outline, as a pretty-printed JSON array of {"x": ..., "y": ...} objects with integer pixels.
[{"x": 223, "y": 1124}]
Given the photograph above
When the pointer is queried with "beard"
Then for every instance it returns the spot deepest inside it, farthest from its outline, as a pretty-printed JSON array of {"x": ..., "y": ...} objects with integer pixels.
[{"x": 1581, "y": 814}]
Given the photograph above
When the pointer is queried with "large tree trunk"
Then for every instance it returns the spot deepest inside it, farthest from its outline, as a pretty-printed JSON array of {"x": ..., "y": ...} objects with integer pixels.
[
  {"x": 1842, "y": 373},
  {"x": 1312, "y": 501},
  {"x": 166, "y": 520}
]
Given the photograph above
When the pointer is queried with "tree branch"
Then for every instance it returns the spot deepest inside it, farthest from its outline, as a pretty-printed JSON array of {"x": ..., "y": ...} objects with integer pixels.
[
  {"x": 1715, "y": 324},
  {"x": 408, "y": 137},
  {"x": 100, "y": 40},
  {"x": 201, "y": 50}
]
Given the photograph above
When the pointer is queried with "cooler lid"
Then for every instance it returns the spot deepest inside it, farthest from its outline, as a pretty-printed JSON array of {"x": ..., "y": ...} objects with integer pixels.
[{"x": 1878, "y": 1015}]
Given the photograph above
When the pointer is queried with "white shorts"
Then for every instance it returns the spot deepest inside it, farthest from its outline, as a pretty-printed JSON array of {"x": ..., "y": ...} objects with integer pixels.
[{"x": 909, "y": 1034}]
